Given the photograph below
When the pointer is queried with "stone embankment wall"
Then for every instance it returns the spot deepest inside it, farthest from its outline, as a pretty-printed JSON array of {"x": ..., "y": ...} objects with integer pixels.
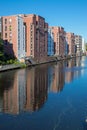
[{"x": 33, "y": 62}]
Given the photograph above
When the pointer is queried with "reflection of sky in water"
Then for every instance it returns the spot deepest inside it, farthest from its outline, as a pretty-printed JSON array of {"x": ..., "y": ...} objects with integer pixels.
[{"x": 75, "y": 68}]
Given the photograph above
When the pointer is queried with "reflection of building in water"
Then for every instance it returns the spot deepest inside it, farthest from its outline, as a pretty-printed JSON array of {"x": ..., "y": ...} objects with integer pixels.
[
  {"x": 69, "y": 73},
  {"x": 25, "y": 93},
  {"x": 73, "y": 69},
  {"x": 36, "y": 88},
  {"x": 50, "y": 77},
  {"x": 4, "y": 84},
  {"x": 14, "y": 96},
  {"x": 57, "y": 78},
  {"x": 78, "y": 61},
  {"x": 77, "y": 73}
]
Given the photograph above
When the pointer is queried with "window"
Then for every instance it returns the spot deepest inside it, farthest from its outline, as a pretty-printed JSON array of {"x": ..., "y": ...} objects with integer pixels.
[
  {"x": 10, "y": 40},
  {"x": 5, "y": 21},
  {"x": 10, "y": 28},
  {"x": 31, "y": 46},
  {"x": 31, "y": 34},
  {"x": 10, "y": 21},
  {"x": 5, "y": 35},
  {"x": 10, "y": 34},
  {"x": 31, "y": 39},
  {"x": 5, "y": 28},
  {"x": 31, "y": 52},
  {"x": 31, "y": 26},
  {"x": 18, "y": 45}
]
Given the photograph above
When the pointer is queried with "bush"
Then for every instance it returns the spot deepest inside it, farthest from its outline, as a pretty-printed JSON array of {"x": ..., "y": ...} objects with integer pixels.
[
  {"x": 0, "y": 62},
  {"x": 23, "y": 65},
  {"x": 3, "y": 63}
]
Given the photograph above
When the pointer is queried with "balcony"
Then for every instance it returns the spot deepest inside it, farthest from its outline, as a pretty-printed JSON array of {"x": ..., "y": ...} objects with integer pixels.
[{"x": 37, "y": 27}]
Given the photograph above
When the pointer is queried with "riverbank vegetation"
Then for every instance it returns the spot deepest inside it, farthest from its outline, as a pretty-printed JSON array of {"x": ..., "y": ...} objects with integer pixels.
[
  {"x": 22, "y": 65},
  {"x": 4, "y": 58}
]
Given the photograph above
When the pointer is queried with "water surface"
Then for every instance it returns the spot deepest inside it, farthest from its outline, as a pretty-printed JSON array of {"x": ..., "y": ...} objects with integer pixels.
[{"x": 45, "y": 97}]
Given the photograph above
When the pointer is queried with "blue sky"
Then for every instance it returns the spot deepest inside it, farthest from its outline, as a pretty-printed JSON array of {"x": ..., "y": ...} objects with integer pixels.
[{"x": 71, "y": 14}]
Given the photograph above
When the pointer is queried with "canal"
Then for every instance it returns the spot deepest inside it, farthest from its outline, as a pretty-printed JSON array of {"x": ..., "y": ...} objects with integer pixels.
[{"x": 46, "y": 97}]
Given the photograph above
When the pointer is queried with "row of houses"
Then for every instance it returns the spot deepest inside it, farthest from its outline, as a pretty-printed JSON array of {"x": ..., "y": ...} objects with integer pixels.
[{"x": 31, "y": 36}]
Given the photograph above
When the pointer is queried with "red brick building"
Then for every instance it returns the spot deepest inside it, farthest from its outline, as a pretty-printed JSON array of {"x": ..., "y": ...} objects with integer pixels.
[
  {"x": 71, "y": 43},
  {"x": 28, "y": 35},
  {"x": 59, "y": 40},
  {"x": 36, "y": 36},
  {"x": 13, "y": 34}
]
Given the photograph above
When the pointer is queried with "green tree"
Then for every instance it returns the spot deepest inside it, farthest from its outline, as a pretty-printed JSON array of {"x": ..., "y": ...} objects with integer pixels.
[
  {"x": 1, "y": 50},
  {"x": 5, "y": 58}
]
